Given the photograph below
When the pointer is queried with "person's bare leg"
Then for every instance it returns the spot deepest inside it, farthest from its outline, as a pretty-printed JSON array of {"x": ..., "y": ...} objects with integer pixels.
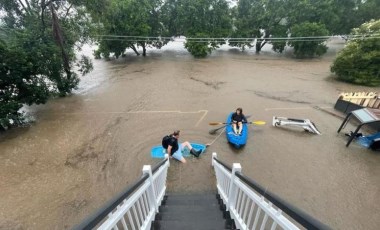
[
  {"x": 187, "y": 144},
  {"x": 234, "y": 127},
  {"x": 183, "y": 160},
  {"x": 240, "y": 127}
]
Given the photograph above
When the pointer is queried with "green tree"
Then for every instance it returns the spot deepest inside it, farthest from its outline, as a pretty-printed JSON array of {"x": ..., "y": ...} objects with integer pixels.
[
  {"x": 359, "y": 61},
  {"x": 366, "y": 11},
  {"x": 343, "y": 16},
  {"x": 314, "y": 11},
  {"x": 339, "y": 16},
  {"x": 127, "y": 24},
  {"x": 308, "y": 47},
  {"x": 199, "y": 48},
  {"x": 38, "y": 45},
  {"x": 264, "y": 21},
  {"x": 55, "y": 25},
  {"x": 243, "y": 25},
  {"x": 258, "y": 21},
  {"x": 200, "y": 21},
  {"x": 19, "y": 84}
]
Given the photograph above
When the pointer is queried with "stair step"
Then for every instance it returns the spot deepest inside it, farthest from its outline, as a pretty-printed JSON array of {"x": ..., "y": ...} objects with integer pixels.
[
  {"x": 185, "y": 208},
  {"x": 193, "y": 215},
  {"x": 192, "y": 196},
  {"x": 190, "y": 225},
  {"x": 191, "y": 201}
]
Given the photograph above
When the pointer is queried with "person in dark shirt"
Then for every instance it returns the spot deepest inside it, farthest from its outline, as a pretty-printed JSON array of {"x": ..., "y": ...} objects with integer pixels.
[
  {"x": 175, "y": 149},
  {"x": 238, "y": 119}
]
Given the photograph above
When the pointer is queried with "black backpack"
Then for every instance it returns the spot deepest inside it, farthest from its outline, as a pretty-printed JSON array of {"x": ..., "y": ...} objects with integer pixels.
[
  {"x": 165, "y": 141},
  {"x": 375, "y": 145}
]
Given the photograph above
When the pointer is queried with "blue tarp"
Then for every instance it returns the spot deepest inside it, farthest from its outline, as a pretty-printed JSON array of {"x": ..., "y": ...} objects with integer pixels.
[{"x": 366, "y": 141}]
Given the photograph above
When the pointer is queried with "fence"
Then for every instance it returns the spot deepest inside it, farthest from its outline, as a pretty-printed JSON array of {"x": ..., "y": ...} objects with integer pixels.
[
  {"x": 364, "y": 99},
  {"x": 136, "y": 207},
  {"x": 253, "y": 207}
]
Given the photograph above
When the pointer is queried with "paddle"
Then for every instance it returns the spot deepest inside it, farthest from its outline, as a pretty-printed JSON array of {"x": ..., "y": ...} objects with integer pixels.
[
  {"x": 230, "y": 123},
  {"x": 213, "y": 131}
]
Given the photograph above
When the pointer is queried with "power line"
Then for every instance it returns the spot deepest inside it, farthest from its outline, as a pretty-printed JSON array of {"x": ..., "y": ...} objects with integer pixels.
[
  {"x": 238, "y": 38},
  {"x": 219, "y": 40},
  {"x": 201, "y": 41},
  {"x": 133, "y": 38}
]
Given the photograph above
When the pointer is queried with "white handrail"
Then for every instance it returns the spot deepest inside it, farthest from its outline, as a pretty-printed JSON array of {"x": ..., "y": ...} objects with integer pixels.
[
  {"x": 248, "y": 209},
  {"x": 247, "y": 203},
  {"x": 139, "y": 210}
]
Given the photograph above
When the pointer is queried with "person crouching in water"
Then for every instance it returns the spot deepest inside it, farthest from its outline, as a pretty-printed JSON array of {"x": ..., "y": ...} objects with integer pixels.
[
  {"x": 238, "y": 119},
  {"x": 175, "y": 149}
]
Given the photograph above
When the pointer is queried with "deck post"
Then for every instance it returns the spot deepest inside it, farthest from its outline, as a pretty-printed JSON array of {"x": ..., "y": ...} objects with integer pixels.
[
  {"x": 236, "y": 167},
  {"x": 214, "y": 155},
  {"x": 152, "y": 193},
  {"x": 167, "y": 157}
]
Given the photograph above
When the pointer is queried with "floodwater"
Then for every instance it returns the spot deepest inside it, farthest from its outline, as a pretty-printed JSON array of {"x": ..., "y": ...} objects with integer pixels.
[{"x": 83, "y": 149}]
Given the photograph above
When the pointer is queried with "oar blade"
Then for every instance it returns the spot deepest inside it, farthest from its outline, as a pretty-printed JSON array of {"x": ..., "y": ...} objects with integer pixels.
[
  {"x": 215, "y": 123},
  {"x": 213, "y": 131},
  {"x": 258, "y": 122}
]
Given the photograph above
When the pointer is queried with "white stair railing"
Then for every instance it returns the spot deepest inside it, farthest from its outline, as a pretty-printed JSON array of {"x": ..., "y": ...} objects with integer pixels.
[
  {"x": 137, "y": 206},
  {"x": 252, "y": 207}
]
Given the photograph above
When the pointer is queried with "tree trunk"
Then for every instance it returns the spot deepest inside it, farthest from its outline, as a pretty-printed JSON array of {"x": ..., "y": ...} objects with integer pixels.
[
  {"x": 144, "y": 48},
  {"x": 58, "y": 36},
  {"x": 258, "y": 46},
  {"x": 134, "y": 49}
]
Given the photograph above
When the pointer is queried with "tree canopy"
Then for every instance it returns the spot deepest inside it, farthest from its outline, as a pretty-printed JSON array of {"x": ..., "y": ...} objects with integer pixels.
[
  {"x": 259, "y": 21},
  {"x": 38, "y": 41},
  {"x": 359, "y": 61},
  {"x": 131, "y": 23},
  {"x": 310, "y": 47},
  {"x": 252, "y": 23},
  {"x": 201, "y": 21},
  {"x": 142, "y": 23}
]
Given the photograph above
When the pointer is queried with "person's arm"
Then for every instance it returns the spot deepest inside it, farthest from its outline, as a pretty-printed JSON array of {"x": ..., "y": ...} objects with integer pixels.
[
  {"x": 244, "y": 119},
  {"x": 233, "y": 118},
  {"x": 169, "y": 150}
]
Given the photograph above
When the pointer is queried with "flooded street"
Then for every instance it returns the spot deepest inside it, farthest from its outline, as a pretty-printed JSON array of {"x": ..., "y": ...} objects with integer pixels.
[{"x": 85, "y": 148}]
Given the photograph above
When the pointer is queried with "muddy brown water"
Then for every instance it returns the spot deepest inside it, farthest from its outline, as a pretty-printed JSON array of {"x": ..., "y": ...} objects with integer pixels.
[{"x": 85, "y": 148}]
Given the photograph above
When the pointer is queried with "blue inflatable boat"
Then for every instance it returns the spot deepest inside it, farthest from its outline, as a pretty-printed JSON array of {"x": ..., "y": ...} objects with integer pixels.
[
  {"x": 237, "y": 141},
  {"x": 159, "y": 152}
]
